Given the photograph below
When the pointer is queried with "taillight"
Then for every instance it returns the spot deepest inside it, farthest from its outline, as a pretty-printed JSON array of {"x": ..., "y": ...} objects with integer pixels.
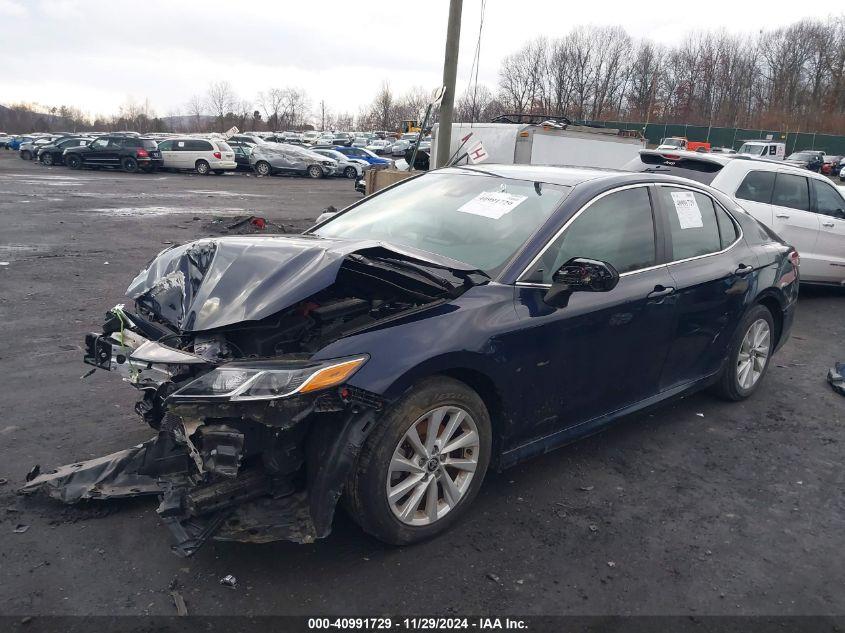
[
  {"x": 142, "y": 153},
  {"x": 795, "y": 259},
  {"x": 218, "y": 155}
]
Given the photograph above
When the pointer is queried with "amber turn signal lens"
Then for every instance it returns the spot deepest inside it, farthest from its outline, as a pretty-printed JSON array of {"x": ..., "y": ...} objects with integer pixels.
[{"x": 332, "y": 375}]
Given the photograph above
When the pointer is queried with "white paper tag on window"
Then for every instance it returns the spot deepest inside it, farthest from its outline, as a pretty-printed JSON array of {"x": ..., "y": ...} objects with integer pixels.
[
  {"x": 689, "y": 215},
  {"x": 492, "y": 204}
]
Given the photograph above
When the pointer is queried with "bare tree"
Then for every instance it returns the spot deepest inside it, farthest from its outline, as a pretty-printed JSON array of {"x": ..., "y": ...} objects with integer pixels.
[
  {"x": 196, "y": 108},
  {"x": 221, "y": 101}
]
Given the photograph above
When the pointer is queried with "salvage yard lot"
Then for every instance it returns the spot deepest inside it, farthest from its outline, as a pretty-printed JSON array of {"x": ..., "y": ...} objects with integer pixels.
[{"x": 698, "y": 507}]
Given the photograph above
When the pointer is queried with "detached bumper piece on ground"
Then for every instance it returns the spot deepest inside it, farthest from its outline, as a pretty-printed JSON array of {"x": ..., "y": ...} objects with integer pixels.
[{"x": 256, "y": 438}]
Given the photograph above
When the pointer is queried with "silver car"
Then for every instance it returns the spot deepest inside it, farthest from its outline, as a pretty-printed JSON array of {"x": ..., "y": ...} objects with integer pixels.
[
  {"x": 346, "y": 166},
  {"x": 380, "y": 146},
  {"x": 400, "y": 147},
  {"x": 29, "y": 150},
  {"x": 279, "y": 158}
]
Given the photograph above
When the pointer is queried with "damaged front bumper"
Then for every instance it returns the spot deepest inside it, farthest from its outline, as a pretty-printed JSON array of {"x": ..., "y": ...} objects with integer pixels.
[{"x": 251, "y": 470}]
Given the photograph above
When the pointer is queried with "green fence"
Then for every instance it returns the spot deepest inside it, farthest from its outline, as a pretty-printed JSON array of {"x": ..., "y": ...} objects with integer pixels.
[{"x": 730, "y": 136}]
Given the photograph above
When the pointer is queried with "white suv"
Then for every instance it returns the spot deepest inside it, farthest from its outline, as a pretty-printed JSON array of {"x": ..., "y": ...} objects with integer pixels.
[
  {"x": 203, "y": 155},
  {"x": 801, "y": 206}
]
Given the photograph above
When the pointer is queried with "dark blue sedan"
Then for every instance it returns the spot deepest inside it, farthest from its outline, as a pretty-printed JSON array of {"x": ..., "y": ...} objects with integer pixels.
[{"x": 465, "y": 319}]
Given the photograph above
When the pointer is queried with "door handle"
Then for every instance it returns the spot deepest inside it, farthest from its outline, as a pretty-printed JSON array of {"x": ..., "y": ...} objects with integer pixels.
[
  {"x": 784, "y": 216},
  {"x": 659, "y": 292},
  {"x": 829, "y": 225},
  {"x": 743, "y": 270}
]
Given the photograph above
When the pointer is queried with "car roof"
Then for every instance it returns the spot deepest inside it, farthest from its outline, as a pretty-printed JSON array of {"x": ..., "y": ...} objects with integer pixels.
[
  {"x": 766, "y": 164},
  {"x": 552, "y": 174}
]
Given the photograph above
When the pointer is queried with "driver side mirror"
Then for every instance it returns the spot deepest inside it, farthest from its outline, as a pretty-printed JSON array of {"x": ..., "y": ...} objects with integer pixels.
[{"x": 580, "y": 274}]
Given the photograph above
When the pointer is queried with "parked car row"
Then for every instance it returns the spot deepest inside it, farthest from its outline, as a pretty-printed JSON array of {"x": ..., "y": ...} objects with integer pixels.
[{"x": 203, "y": 154}]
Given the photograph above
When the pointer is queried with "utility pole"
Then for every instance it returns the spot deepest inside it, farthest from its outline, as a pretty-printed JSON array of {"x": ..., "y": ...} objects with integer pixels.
[{"x": 450, "y": 72}]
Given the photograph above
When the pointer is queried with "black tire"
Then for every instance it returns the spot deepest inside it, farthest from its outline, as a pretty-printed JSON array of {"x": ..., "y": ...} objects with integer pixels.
[
  {"x": 350, "y": 172},
  {"x": 129, "y": 164},
  {"x": 366, "y": 494},
  {"x": 729, "y": 386},
  {"x": 47, "y": 159},
  {"x": 26, "y": 155},
  {"x": 203, "y": 168},
  {"x": 73, "y": 161},
  {"x": 262, "y": 168},
  {"x": 315, "y": 171}
]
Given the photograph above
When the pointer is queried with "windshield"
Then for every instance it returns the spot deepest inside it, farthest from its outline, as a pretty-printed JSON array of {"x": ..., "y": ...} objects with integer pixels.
[
  {"x": 800, "y": 156},
  {"x": 752, "y": 149},
  {"x": 476, "y": 219}
]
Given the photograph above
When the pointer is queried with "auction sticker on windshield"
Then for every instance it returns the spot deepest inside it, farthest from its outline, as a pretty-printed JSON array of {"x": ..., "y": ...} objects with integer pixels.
[
  {"x": 492, "y": 204},
  {"x": 689, "y": 215}
]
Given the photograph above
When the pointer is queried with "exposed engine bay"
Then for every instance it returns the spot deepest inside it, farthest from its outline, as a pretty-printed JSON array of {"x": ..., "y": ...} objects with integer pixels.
[{"x": 220, "y": 346}]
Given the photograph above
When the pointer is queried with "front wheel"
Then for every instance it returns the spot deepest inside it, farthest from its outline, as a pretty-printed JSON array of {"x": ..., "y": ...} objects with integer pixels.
[
  {"x": 47, "y": 159},
  {"x": 315, "y": 171},
  {"x": 350, "y": 172},
  {"x": 73, "y": 161},
  {"x": 749, "y": 355},
  {"x": 423, "y": 464},
  {"x": 263, "y": 168}
]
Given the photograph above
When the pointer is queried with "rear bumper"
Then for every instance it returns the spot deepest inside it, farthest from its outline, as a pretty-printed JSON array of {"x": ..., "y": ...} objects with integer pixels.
[
  {"x": 786, "y": 326},
  {"x": 224, "y": 164}
]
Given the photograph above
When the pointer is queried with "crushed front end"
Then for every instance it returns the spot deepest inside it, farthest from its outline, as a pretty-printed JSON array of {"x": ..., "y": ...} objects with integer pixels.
[
  {"x": 229, "y": 458},
  {"x": 255, "y": 438}
]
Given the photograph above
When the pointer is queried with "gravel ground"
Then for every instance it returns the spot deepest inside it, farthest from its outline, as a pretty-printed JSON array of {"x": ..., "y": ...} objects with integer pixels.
[{"x": 699, "y": 507}]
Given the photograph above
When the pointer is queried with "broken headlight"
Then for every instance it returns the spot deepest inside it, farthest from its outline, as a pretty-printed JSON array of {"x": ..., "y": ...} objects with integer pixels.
[{"x": 269, "y": 380}]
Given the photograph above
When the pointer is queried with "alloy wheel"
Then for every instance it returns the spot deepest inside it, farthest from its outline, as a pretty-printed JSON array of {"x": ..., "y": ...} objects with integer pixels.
[
  {"x": 433, "y": 466},
  {"x": 753, "y": 354}
]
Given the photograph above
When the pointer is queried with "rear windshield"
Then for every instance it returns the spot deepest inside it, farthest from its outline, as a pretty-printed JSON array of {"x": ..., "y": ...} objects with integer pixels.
[
  {"x": 699, "y": 170},
  {"x": 224, "y": 147},
  {"x": 148, "y": 144}
]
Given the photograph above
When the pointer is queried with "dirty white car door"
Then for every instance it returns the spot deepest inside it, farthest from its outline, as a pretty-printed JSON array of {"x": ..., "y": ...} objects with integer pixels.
[
  {"x": 795, "y": 222},
  {"x": 830, "y": 207}
]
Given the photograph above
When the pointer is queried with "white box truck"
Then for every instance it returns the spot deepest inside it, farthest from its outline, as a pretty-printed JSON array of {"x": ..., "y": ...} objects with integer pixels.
[{"x": 541, "y": 144}]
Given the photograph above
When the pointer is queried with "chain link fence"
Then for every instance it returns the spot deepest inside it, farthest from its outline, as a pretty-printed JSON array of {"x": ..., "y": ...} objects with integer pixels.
[{"x": 730, "y": 136}]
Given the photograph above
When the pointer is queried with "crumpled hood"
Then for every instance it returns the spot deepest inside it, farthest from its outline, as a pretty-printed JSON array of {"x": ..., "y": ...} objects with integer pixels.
[{"x": 212, "y": 283}]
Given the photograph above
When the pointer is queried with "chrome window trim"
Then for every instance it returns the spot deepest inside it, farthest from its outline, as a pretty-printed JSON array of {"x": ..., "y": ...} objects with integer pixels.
[
  {"x": 715, "y": 202},
  {"x": 566, "y": 225},
  {"x": 737, "y": 225}
]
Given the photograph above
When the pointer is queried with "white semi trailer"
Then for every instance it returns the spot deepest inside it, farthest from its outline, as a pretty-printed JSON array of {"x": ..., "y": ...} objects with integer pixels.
[{"x": 542, "y": 144}]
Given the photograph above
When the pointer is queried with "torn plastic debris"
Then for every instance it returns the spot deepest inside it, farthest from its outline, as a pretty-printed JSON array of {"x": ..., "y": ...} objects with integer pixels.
[
  {"x": 108, "y": 477},
  {"x": 836, "y": 377},
  {"x": 202, "y": 496}
]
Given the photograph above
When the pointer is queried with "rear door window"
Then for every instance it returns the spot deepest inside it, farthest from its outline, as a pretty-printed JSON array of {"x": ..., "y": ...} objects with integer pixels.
[
  {"x": 702, "y": 171},
  {"x": 828, "y": 200},
  {"x": 757, "y": 186},
  {"x": 727, "y": 228},
  {"x": 198, "y": 146},
  {"x": 791, "y": 191},
  {"x": 693, "y": 226}
]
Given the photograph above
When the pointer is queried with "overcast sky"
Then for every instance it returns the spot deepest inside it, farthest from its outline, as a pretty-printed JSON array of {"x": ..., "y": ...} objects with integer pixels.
[{"x": 95, "y": 54}]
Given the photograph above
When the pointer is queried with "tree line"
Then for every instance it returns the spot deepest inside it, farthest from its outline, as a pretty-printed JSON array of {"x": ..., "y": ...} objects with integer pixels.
[{"x": 790, "y": 78}]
